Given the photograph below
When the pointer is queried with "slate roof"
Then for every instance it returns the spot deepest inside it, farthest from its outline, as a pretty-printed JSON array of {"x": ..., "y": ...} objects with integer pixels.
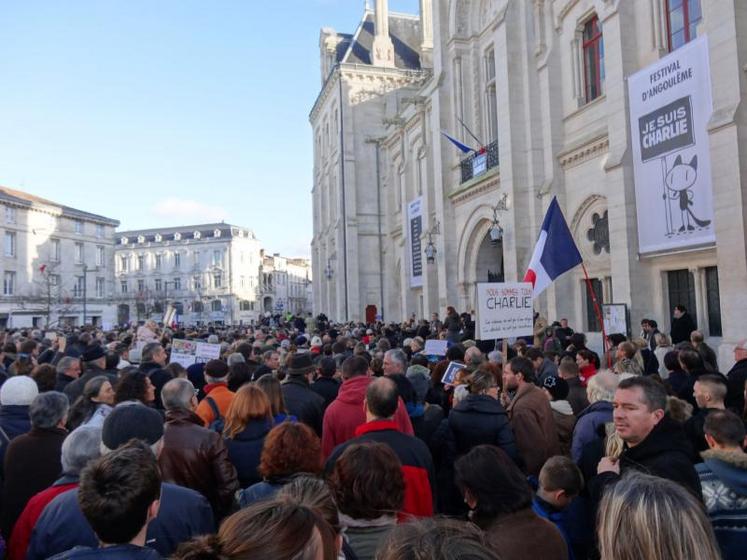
[
  {"x": 207, "y": 231},
  {"x": 24, "y": 199},
  {"x": 404, "y": 30}
]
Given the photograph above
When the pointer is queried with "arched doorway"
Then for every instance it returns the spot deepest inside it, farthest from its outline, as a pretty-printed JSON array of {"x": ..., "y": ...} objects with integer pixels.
[
  {"x": 489, "y": 261},
  {"x": 480, "y": 260},
  {"x": 267, "y": 304}
]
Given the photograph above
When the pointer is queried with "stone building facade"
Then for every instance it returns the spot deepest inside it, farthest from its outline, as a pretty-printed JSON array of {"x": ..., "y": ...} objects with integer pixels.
[
  {"x": 542, "y": 87},
  {"x": 209, "y": 273},
  {"x": 57, "y": 264},
  {"x": 285, "y": 285}
]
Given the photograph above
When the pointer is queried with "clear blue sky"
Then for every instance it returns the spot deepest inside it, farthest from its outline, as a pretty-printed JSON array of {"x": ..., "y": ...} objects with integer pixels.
[{"x": 168, "y": 112}]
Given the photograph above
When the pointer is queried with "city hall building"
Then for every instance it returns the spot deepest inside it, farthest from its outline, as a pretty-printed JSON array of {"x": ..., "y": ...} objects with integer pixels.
[{"x": 629, "y": 112}]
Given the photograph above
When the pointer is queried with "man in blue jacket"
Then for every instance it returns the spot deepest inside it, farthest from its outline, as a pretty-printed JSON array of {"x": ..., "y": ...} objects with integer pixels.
[
  {"x": 119, "y": 495},
  {"x": 183, "y": 513}
]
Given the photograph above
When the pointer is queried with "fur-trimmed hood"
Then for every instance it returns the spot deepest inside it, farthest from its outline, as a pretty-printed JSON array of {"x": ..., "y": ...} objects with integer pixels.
[
  {"x": 736, "y": 459},
  {"x": 730, "y": 467}
]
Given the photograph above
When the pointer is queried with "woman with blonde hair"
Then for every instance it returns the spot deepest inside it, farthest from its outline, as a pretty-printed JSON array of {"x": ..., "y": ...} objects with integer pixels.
[
  {"x": 600, "y": 392},
  {"x": 248, "y": 421},
  {"x": 663, "y": 346},
  {"x": 644, "y": 516}
]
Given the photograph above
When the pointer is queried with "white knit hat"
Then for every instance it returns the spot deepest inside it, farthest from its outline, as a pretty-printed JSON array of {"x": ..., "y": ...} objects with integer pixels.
[{"x": 18, "y": 390}]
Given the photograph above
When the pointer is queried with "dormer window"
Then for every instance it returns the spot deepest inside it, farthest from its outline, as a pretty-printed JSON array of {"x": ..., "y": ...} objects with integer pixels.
[
  {"x": 124, "y": 241},
  {"x": 197, "y": 235},
  {"x": 177, "y": 236},
  {"x": 158, "y": 238},
  {"x": 216, "y": 233},
  {"x": 141, "y": 239}
]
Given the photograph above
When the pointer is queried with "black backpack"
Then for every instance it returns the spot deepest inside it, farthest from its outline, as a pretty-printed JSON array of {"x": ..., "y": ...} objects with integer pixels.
[{"x": 218, "y": 423}]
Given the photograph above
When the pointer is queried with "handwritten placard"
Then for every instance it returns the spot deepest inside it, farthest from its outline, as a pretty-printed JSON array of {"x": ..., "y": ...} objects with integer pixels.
[{"x": 504, "y": 310}]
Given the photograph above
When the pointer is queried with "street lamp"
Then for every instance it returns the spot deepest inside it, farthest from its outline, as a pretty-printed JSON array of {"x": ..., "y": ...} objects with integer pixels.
[
  {"x": 496, "y": 231},
  {"x": 430, "y": 248}
]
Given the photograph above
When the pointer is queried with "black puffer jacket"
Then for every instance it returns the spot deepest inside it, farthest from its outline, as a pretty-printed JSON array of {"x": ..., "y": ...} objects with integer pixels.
[
  {"x": 666, "y": 453},
  {"x": 478, "y": 420}
]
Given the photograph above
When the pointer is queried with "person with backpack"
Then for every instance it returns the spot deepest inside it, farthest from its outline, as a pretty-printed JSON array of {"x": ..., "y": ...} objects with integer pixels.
[
  {"x": 194, "y": 456},
  {"x": 218, "y": 397}
]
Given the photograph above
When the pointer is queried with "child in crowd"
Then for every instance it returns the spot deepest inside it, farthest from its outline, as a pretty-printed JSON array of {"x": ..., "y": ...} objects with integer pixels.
[{"x": 560, "y": 481}]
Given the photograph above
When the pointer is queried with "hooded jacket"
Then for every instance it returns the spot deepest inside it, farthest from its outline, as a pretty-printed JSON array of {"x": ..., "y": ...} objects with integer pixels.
[
  {"x": 478, "y": 420},
  {"x": 723, "y": 477},
  {"x": 587, "y": 426},
  {"x": 565, "y": 421},
  {"x": 665, "y": 452},
  {"x": 346, "y": 413}
]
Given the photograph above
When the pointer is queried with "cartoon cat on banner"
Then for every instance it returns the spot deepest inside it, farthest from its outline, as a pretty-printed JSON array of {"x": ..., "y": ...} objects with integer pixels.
[{"x": 670, "y": 105}]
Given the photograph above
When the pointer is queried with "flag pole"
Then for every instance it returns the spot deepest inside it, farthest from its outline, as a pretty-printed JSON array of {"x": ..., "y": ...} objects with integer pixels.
[{"x": 598, "y": 313}]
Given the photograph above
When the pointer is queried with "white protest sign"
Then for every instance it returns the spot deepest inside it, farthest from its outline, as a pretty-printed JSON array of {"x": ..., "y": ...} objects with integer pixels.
[
  {"x": 183, "y": 352},
  {"x": 670, "y": 106},
  {"x": 435, "y": 347},
  {"x": 206, "y": 352},
  {"x": 615, "y": 319},
  {"x": 504, "y": 309}
]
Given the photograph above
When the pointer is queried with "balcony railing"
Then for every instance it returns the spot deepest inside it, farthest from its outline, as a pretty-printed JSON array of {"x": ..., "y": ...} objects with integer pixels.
[{"x": 477, "y": 164}]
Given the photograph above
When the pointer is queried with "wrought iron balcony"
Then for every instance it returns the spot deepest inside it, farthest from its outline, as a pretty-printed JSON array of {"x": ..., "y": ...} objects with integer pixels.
[{"x": 477, "y": 164}]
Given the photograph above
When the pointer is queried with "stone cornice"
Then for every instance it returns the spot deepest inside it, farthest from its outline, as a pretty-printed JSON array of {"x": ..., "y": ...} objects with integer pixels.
[
  {"x": 578, "y": 155},
  {"x": 364, "y": 72},
  {"x": 475, "y": 187}
]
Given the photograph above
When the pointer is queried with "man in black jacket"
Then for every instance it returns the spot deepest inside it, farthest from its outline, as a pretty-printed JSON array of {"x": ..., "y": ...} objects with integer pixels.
[
  {"x": 326, "y": 385},
  {"x": 300, "y": 400},
  {"x": 654, "y": 443},
  {"x": 737, "y": 376},
  {"x": 682, "y": 325}
]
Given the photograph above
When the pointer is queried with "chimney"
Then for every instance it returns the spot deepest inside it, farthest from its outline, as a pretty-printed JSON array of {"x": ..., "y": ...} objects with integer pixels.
[
  {"x": 426, "y": 33},
  {"x": 383, "y": 49}
]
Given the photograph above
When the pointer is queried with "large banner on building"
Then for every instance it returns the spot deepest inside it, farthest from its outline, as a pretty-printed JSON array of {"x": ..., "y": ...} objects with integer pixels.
[
  {"x": 670, "y": 105},
  {"x": 414, "y": 232},
  {"x": 504, "y": 310}
]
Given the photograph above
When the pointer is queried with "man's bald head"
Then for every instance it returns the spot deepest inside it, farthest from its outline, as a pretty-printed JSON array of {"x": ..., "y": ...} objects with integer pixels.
[{"x": 382, "y": 398}]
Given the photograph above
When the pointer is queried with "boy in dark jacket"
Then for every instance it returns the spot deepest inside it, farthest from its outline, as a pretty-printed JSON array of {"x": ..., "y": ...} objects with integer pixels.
[{"x": 560, "y": 481}]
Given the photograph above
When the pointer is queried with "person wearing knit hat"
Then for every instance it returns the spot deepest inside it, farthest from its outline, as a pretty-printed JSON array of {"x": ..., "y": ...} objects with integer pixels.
[
  {"x": 183, "y": 513},
  {"x": 16, "y": 394},
  {"x": 556, "y": 389},
  {"x": 20, "y": 390},
  {"x": 132, "y": 421}
]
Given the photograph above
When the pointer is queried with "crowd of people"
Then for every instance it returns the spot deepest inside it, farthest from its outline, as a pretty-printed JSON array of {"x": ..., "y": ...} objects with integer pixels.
[{"x": 312, "y": 440}]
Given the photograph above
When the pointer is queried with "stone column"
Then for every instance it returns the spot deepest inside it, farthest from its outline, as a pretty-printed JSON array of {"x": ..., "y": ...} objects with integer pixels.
[
  {"x": 383, "y": 49},
  {"x": 426, "y": 33}
]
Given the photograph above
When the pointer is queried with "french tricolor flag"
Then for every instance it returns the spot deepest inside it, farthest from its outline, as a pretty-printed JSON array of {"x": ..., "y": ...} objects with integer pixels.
[{"x": 555, "y": 252}]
